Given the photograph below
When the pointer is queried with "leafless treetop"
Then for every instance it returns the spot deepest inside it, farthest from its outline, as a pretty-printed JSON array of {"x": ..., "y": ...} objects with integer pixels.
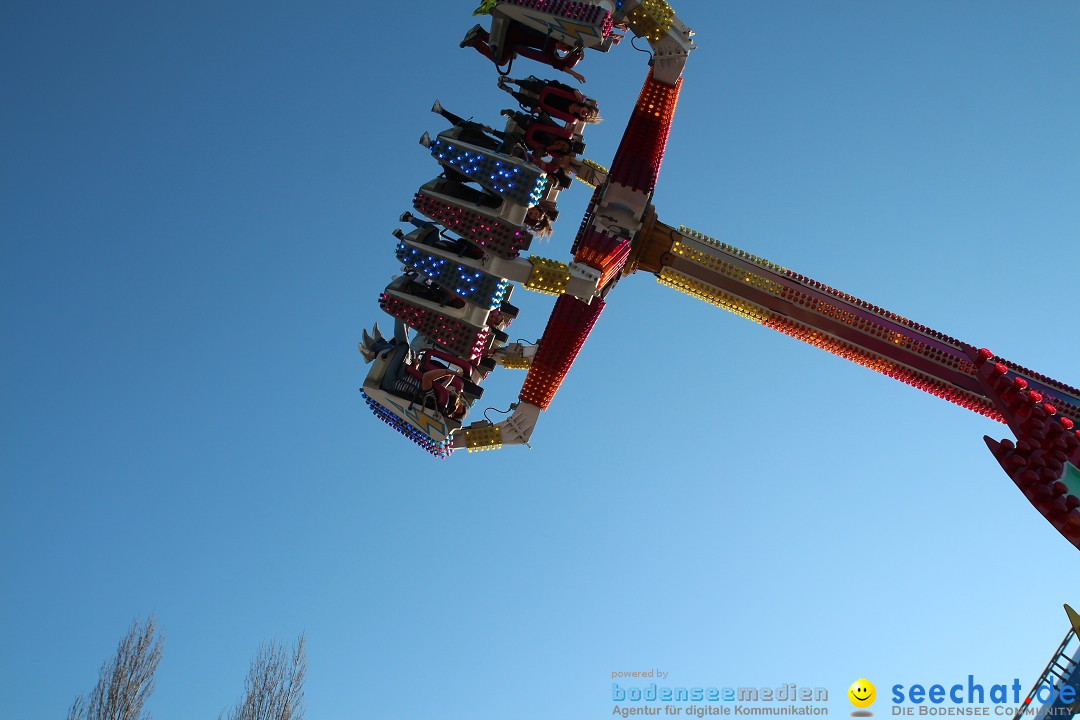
[
  {"x": 274, "y": 689},
  {"x": 126, "y": 680}
]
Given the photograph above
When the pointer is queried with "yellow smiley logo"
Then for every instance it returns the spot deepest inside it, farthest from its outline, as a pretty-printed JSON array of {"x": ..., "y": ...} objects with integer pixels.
[{"x": 862, "y": 693}]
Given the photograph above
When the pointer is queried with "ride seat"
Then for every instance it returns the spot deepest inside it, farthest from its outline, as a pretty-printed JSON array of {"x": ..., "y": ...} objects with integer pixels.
[
  {"x": 403, "y": 380},
  {"x": 461, "y": 383},
  {"x": 427, "y": 364},
  {"x": 553, "y": 130},
  {"x": 440, "y": 393},
  {"x": 571, "y": 96},
  {"x": 461, "y": 248},
  {"x": 467, "y": 367},
  {"x": 510, "y": 311}
]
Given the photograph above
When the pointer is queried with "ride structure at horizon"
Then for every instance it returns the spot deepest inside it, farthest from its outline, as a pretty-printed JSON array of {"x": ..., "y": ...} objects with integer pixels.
[{"x": 451, "y": 306}]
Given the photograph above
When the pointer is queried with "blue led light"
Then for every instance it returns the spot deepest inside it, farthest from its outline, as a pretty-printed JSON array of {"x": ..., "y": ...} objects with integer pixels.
[
  {"x": 476, "y": 287},
  {"x": 438, "y": 449},
  {"x": 491, "y": 171}
]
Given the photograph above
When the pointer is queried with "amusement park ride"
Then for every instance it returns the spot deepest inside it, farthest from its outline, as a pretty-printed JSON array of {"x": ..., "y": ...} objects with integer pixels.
[
  {"x": 1062, "y": 671},
  {"x": 497, "y": 192}
]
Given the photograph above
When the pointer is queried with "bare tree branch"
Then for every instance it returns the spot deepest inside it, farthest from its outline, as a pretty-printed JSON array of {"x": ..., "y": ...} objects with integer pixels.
[
  {"x": 77, "y": 711},
  {"x": 125, "y": 681},
  {"x": 274, "y": 688}
]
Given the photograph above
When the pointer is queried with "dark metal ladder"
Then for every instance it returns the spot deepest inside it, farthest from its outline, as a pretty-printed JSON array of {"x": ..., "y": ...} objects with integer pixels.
[{"x": 1063, "y": 670}]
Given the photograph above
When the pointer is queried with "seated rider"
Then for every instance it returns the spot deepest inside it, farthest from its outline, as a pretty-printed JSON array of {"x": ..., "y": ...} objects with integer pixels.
[
  {"x": 552, "y": 98},
  {"x": 472, "y": 132},
  {"x": 431, "y": 234},
  {"x": 545, "y": 137},
  {"x": 542, "y": 135},
  {"x": 420, "y": 286},
  {"x": 505, "y": 143},
  {"x": 540, "y": 216},
  {"x": 415, "y": 385},
  {"x": 453, "y": 184},
  {"x": 457, "y": 407},
  {"x": 373, "y": 345},
  {"x": 526, "y": 42}
]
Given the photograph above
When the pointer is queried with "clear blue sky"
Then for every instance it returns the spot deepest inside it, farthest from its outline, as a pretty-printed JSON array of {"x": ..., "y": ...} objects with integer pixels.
[{"x": 195, "y": 217}]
